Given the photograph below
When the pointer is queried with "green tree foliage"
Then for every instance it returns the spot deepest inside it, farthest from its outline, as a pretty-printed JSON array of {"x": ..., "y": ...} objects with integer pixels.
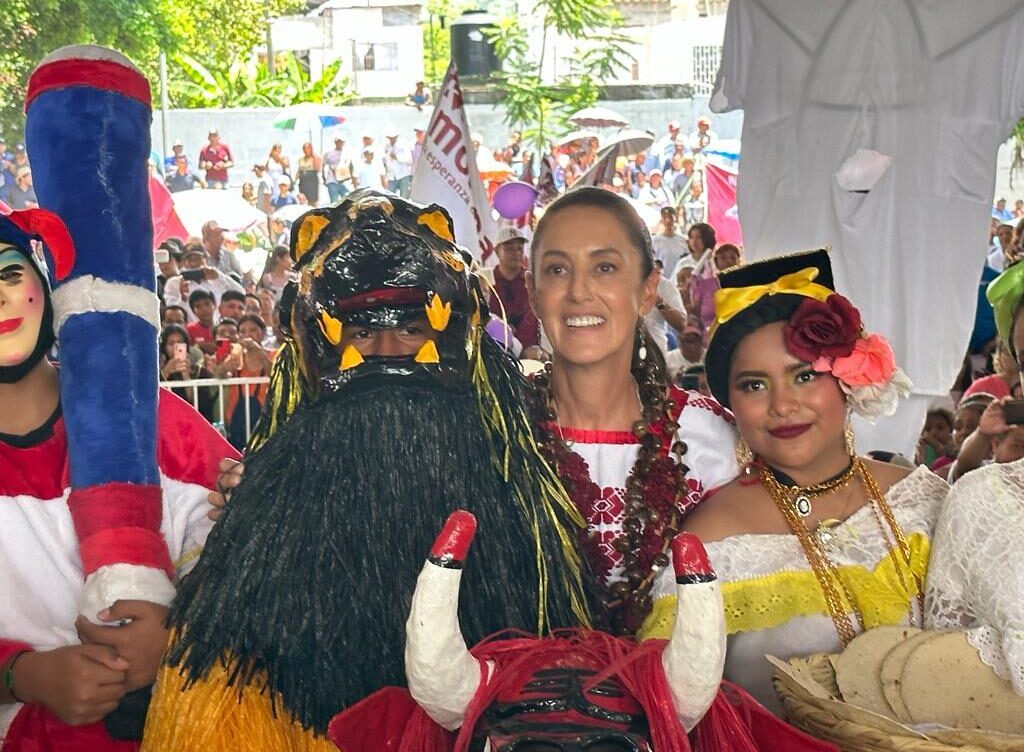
[
  {"x": 218, "y": 31},
  {"x": 250, "y": 84},
  {"x": 540, "y": 108}
]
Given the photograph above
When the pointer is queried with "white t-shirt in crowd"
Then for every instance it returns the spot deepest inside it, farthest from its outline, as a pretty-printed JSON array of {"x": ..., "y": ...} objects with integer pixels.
[
  {"x": 668, "y": 249},
  {"x": 368, "y": 175},
  {"x": 656, "y": 323}
]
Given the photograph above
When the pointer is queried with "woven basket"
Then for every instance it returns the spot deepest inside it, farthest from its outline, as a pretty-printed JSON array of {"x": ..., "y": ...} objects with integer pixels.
[{"x": 855, "y": 730}]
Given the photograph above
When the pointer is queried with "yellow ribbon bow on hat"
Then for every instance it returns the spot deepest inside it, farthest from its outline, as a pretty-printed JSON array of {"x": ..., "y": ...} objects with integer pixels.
[{"x": 730, "y": 301}]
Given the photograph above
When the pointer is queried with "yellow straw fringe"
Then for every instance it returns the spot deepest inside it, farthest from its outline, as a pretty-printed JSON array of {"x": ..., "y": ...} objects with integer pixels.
[{"x": 210, "y": 716}]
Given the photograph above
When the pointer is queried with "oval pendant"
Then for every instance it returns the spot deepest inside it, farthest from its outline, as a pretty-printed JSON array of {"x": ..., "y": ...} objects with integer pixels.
[
  {"x": 803, "y": 505},
  {"x": 827, "y": 532}
]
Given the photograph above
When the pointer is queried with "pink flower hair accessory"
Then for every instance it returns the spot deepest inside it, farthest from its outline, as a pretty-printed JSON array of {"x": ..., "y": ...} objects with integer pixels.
[{"x": 828, "y": 335}]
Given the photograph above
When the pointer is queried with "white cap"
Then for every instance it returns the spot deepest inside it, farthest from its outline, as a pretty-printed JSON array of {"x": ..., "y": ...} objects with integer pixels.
[{"x": 506, "y": 234}]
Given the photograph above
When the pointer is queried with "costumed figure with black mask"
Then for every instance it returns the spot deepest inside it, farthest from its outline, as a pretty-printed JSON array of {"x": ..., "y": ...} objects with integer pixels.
[
  {"x": 99, "y": 515},
  {"x": 388, "y": 406},
  {"x": 571, "y": 691}
]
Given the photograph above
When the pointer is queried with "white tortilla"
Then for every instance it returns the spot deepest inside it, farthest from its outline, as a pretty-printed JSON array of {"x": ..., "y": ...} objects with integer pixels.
[
  {"x": 858, "y": 667},
  {"x": 944, "y": 681},
  {"x": 892, "y": 671}
]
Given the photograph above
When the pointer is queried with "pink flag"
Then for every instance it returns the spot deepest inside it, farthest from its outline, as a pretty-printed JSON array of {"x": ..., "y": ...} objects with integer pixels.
[
  {"x": 166, "y": 223},
  {"x": 721, "y": 198},
  {"x": 4, "y": 208}
]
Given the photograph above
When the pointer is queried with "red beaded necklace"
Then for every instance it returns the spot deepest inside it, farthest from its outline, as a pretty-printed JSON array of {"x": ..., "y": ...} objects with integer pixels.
[{"x": 655, "y": 490}]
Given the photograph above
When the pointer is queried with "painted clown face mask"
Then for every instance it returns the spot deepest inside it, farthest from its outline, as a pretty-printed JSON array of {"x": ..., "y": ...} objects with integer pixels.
[{"x": 22, "y": 304}]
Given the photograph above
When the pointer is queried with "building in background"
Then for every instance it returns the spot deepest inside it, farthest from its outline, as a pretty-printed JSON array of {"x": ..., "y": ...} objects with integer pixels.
[
  {"x": 675, "y": 42},
  {"x": 379, "y": 43}
]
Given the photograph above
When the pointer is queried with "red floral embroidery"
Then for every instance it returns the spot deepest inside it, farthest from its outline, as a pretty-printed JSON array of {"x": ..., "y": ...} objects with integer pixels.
[{"x": 609, "y": 508}]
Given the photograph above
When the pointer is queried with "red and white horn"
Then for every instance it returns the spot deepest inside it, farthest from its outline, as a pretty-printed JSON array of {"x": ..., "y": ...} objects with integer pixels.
[
  {"x": 442, "y": 675},
  {"x": 694, "y": 657}
]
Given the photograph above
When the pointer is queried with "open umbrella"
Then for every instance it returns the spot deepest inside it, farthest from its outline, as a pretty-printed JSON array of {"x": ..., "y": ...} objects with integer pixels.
[
  {"x": 166, "y": 222},
  {"x": 291, "y": 212},
  {"x": 623, "y": 145},
  {"x": 491, "y": 168},
  {"x": 309, "y": 116},
  {"x": 598, "y": 117},
  {"x": 576, "y": 136},
  {"x": 232, "y": 212}
]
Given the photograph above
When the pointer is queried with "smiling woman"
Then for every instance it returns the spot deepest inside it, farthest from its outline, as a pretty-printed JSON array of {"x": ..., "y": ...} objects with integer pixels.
[
  {"x": 634, "y": 452},
  {"x": 813, "y": 543}
]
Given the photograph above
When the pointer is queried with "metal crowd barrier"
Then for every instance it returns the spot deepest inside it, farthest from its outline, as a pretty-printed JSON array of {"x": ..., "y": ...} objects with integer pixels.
[{"x": 222, "y": 385}]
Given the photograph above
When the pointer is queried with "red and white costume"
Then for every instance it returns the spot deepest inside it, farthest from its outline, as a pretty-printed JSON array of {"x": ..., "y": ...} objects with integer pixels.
[
  {"x": 706, "y": 429},
  {"x": 40, "y": 566}
]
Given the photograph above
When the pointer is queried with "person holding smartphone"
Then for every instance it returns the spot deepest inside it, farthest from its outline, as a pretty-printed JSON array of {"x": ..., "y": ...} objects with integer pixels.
[
  {"x": 196, "y": 274},
  {"x": 179, "y": 361}
]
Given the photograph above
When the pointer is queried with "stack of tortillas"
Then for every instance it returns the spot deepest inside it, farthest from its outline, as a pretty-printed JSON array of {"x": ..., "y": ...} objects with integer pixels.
[{"x": 899, "y": 688}]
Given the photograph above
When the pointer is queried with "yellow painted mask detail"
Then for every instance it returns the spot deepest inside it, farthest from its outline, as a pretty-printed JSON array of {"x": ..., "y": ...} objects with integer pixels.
[
  {"x": 438, "y": 224},
  {"x": 350, "y": 358},
  {"x": 330, "y": 327},
  {"x": 428, "y": 353},
  {"x": 309, "y": 231},
  {"x": 438, "y": 313}
]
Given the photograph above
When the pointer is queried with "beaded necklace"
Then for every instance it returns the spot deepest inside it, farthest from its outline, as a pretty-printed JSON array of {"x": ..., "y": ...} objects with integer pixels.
[{"x": 655, "y": 489}]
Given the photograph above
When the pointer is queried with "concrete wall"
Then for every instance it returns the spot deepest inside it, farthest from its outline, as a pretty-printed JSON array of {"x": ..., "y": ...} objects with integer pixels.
[{"x": 250, "y": 132}]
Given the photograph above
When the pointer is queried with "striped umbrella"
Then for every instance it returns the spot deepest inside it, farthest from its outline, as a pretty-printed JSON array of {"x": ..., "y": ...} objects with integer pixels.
[{"x": 309, "y": 116}]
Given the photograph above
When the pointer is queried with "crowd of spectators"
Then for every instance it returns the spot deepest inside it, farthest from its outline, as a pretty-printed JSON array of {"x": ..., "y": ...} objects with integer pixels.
[
  {"x": 16, "y": 186},
  {"x": 311, "y": 179},
  {"x": 219, "y": 322}
]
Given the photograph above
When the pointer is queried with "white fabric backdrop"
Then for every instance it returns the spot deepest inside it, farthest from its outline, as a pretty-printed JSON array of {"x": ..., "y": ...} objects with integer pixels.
[{"x": 935, "y": 84}]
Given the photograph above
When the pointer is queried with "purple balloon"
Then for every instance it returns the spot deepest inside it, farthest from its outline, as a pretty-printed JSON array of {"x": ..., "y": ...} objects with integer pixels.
[{"x": 513, "y": 200}]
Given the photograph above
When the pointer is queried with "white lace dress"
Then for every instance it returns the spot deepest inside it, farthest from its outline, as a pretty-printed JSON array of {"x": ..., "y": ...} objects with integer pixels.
[
  {"x": 976, "y": 576},
  {"x": 775, "y": 606}
]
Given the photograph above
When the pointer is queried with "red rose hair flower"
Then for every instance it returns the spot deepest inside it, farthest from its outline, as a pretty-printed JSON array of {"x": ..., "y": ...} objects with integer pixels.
[{"x": 823, "y": 329}]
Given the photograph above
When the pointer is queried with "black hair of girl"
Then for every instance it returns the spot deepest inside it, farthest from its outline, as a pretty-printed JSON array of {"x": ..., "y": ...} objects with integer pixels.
[
  {"x": 253, "y": 318},
  {"x": 941, "y": 412},
  {"x": 650, "y": 371},
  {"x": 707, "y": 234},
  {"x": 170, "y": 329}
]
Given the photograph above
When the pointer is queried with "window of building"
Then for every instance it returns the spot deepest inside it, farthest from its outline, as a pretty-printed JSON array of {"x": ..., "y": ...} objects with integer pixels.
[{"x": 375, "y": 56}]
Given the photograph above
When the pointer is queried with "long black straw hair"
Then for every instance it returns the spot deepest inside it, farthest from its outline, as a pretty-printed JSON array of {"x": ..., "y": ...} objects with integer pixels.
[{"x": 305, "y": 583}]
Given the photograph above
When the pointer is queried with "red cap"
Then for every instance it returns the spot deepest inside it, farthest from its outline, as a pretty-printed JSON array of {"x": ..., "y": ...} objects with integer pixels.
[{"x": 452, "y": 544}]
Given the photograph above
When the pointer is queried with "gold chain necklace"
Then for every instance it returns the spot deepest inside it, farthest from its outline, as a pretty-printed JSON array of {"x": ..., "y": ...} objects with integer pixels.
[
  {"x": 834, "y": 589},
  {"x": 805, "y": 495}
]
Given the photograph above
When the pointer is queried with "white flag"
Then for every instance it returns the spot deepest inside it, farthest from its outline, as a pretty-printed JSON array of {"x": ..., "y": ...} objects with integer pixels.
[{"x": 446, "y": 173}]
